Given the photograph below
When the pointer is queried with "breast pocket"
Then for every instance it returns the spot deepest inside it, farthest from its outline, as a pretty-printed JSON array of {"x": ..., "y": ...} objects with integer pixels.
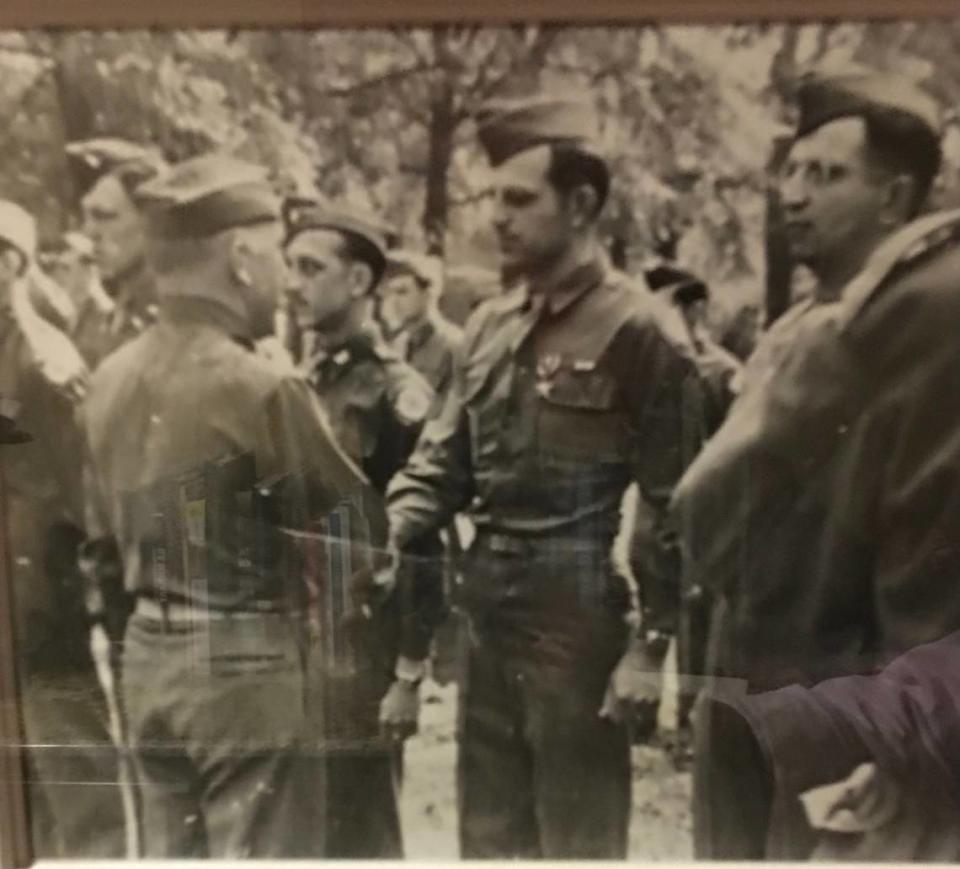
[{"x": 580, "y": 414}]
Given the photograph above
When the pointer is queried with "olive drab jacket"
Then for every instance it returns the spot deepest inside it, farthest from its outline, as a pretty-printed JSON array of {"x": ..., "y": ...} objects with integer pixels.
[
  {"x": 826, "y": 510},
  {"x": 202, "y": 456},
  {"x": 560, "y": 399},
  {"x": 377, "y": 405}
]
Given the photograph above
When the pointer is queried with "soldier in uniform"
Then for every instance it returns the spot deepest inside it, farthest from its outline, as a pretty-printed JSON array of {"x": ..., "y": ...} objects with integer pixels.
[
  {"x": 110, "y": 170},
  {"x": 428, "y": 341},
  {"x": 74, "y": 802},
  {"x": 204, "y": 458},
  {"x": 823, "y": 513},
  {"x": 376, "y": 405},
  {"x": 425, "y": 339},
  {"x": 568, "y": 388}
]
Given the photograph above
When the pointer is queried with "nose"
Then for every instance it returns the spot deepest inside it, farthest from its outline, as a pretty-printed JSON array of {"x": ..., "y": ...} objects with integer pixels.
[
  {"x": 500, "y": 215},
  {"x": 794, "y": 193}
]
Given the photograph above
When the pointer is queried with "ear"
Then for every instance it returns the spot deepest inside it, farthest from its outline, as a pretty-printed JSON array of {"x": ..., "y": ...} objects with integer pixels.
[
  {"x": 240, "y": 253},
  {"x": 13, "y": 262},
  {"x": 361, "y": 279},
  {"x": 582, "y": 205},
  {"x": 898, "y": 202}
]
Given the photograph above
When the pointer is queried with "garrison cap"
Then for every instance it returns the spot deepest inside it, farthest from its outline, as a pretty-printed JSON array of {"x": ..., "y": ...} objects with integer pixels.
[
  {"x": 131, "y": 163},
  {"x": 301, "y": 214},
  {"x": 858, "y": 92},
  {"x": 684, "y": 287},
  {"x": 426, "y": 270},
  {"x": 18, "y": 228},
  {"x": 508, "y": 127},
  {"x": 206, "y": 195}
]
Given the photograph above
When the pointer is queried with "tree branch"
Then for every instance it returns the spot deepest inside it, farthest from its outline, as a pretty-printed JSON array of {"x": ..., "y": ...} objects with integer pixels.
[{"x": 377, "y": 81}]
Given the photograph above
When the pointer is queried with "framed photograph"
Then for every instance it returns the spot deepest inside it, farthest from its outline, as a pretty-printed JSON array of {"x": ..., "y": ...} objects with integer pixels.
[{"x": 442, "y": 433}]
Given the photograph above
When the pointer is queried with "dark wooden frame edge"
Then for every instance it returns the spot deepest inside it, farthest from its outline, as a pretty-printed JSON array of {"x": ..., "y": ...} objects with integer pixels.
[{"x": 18, "y": 14}]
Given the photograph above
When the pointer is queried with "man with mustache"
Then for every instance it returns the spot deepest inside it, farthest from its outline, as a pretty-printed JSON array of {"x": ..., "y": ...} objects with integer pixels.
[{"x": 376, "y": 404}]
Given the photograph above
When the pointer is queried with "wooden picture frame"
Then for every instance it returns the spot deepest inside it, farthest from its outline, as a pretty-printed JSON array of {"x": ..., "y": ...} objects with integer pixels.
[{"x": 22, "y": 14}]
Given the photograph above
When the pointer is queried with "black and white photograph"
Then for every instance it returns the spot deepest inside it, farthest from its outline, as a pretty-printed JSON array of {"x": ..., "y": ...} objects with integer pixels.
[{"x": 469, "y": 441}]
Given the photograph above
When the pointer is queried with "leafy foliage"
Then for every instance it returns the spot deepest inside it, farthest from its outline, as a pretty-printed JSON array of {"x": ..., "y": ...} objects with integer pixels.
[{"x": 386, "y": 117}]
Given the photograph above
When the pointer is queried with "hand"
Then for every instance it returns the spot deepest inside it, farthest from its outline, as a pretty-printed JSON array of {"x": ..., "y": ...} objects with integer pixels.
[
  {"x": 400, "y": 710},
  {"x": 634, "y": 689},
  {"x": 870, "y": 796},
  {"x": 372, "y": 586}
]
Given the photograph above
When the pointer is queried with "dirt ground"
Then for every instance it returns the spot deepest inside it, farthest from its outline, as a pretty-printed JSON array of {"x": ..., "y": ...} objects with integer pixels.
[{"x": 660, "y": 827}]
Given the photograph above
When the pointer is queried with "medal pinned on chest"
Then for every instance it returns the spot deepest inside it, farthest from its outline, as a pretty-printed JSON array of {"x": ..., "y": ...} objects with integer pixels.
[{"x": 547, "y": 367}]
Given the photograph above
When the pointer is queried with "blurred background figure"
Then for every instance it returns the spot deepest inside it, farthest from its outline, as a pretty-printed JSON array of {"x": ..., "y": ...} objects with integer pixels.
[
  {"x": 465, "y": 287},
  {"x": 108, "y": 173},
  {"x": 71, "y": 267},
  {"x": 422, "y": 336},
  {"x": 73, "y": 799}
]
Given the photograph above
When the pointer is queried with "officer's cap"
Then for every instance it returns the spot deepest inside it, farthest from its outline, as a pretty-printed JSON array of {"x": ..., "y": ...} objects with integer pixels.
[
  {"x": 684, "y": 287},
  {"x": 206, "y": 195},
  {"x": 304, "y": 214},
  {"x": 18, "y": 228},
  {"x": 131, "y": 163},
  {"x": 508, "y": 127},
  {"x": 828, "y": 96}
]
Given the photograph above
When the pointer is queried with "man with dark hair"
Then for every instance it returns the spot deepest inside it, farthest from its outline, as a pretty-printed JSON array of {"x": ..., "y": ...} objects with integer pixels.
[
  {"x": 109, "y": 171},
  {"x": 823, "y": 513},
  {"x": 207, "y": 465},
  {"x": 376, "y": 404},
  {"x": 568, "y": 388}
]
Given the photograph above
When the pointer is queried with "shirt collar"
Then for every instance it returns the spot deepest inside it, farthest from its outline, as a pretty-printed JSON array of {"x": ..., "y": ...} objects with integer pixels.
[
  {"x": 205, "y": 312},
  {"x": 576, "y": 283}
]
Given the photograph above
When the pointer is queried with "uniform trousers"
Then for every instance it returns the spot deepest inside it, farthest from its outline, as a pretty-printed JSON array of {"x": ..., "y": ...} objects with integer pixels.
[
  {"x": 216, "y": 711},
  {"x": 540, "y": 774},
  {"x": 360, "y": 789}
]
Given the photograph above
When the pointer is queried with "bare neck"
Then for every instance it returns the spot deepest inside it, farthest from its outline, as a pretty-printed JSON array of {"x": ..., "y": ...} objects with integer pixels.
[
  {"x": 581, "y": 250},
  {"x": 336, "y": 333},
  {"x": 833, "y": 275}
]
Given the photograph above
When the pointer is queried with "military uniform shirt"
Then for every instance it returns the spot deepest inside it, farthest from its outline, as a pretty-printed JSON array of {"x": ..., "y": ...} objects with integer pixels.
[
  {"x": 165, "y": 415},
  {"x": 560, "y": 400},
  {"x": 376, "y": 403}
]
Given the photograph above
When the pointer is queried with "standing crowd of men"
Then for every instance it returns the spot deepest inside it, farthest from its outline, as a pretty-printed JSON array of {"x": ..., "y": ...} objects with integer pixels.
[{"x": 236, "y": 530}]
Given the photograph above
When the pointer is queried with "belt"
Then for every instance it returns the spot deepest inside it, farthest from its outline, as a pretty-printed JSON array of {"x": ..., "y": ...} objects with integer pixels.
[
  {"x": 171, "y": 611},
  {"x": 515, "y": 546}
]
